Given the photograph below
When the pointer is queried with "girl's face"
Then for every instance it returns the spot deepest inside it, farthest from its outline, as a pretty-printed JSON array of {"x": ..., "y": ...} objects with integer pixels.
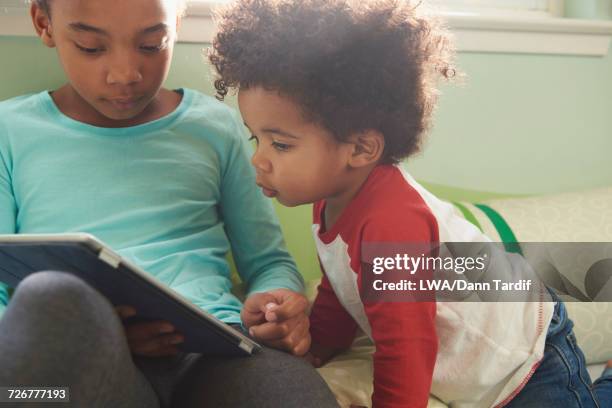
[{"x": 116, "y": 53}]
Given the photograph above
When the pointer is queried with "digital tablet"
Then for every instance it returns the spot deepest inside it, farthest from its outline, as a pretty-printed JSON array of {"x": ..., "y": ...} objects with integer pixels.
[{"x": 122, "y": 283}]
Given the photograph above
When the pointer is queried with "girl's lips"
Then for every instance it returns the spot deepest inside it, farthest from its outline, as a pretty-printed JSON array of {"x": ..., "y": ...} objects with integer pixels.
[{"x": 124, "y": 103}]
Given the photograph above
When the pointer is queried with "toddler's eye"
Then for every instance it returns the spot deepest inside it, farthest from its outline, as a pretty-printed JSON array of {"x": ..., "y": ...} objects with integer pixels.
[
  {"x": 281, "y": 147},
  {"x": 253, "y": 137},
  {"x": 88, "y": 50}
]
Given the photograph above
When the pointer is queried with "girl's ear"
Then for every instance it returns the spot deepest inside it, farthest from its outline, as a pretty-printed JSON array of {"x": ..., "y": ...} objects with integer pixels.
[
  {"x": 368, "y": 148},
  {"x": 42, "y": 24},
  {"x": 179, "y": 19}
]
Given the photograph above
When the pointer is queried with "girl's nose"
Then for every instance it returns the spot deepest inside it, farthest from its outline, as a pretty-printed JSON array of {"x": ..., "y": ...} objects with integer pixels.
[
  {"x": 261, "y": 164},
  {"x": 123, "y": 72}
]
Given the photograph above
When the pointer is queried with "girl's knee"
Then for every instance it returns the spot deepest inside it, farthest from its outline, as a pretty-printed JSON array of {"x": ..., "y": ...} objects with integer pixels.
[
  {"x": 61, "y": 294},
  {"x": 50, "y": 285}
]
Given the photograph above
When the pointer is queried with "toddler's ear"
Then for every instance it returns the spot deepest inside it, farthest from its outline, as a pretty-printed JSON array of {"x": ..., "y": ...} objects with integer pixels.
[
  {"x": 42, "y": 24},
  {"x": 368, "y": 148}
]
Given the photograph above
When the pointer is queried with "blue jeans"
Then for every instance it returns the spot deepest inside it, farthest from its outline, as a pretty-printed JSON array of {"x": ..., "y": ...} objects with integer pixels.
[{"x": 561, "y": 380}]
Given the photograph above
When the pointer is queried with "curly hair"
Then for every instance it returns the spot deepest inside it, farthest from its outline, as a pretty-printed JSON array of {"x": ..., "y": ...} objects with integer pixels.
[{"x": 351, "y": 66}]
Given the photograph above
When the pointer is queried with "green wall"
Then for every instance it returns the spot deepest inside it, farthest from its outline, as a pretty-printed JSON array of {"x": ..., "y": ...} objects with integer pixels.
[
  {"x": 518, "y": 124},
  {"x": 524, "y": 124}
]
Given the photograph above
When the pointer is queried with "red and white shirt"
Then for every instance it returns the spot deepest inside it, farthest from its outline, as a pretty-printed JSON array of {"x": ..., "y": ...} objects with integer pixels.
[{"x": 468, "y": 354}]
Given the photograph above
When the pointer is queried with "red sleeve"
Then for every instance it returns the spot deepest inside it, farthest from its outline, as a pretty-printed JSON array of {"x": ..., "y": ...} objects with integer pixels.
[
  {"x": 406, "y": 347},
  {"x": 330, "y": 323},
  {"x": 404, "y": 332}
]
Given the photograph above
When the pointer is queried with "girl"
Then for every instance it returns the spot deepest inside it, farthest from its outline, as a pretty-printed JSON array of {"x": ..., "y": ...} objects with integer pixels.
[{"x": 163, "y": 177}]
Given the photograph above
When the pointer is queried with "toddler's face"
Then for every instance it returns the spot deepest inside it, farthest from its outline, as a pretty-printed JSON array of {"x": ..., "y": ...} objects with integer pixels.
[
  {"x": 296, "y": 161},
  {"x": 116, "y": 53}
]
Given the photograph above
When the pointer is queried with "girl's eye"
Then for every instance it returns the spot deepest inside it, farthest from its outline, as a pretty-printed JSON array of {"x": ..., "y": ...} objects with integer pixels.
[
  {"x": 87, "y": 50},
  {"x": 281, "y": 147},
  {"x": 253, "y": 137},
  {"x": 152, "y": 48}
]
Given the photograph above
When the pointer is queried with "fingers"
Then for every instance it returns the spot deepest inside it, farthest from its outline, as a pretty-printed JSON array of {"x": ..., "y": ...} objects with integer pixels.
[
  {"x": 162, "y": 352},
  {"x": 288, "y": 304},
  {"x": 253, "y": 311},
  {"x": 153, "y": 338},
  {"x": 278, "y": 319},
  {"x": 302, "y": 348},
  {"x": 292, "y": 336},
  {"x": 148, "y": 330},
  {"x": 125, "y": 311},
  {"x": 274, "y": 306},
  {"x": 310, "y": 359},
  {"x": 322, "y": 354},
  {"x": 159, "y": 346},
  {"x": 315, "y": 361},
  {"x": 277, "y": 330},
  {"x": 255, "y": 302}
]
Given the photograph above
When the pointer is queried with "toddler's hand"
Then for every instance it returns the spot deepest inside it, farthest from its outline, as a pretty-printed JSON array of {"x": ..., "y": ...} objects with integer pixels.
[
  {"x": 278, "y": 319},
  {"x": 318, "y": 355},
  {"x": 312, "y": 360},
  {"x": 150, "y": 339}
]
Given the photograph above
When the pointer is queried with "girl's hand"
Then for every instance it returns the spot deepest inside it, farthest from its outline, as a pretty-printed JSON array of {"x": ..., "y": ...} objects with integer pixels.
[{"x": 149, "y": 339}]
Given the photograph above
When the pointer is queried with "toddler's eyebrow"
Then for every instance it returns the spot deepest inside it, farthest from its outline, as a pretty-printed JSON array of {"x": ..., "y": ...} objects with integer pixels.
[
  {"x": 280, "y": 132},
  {"x": 275, "y": 131},
  {"x": 92, "y": 29}
]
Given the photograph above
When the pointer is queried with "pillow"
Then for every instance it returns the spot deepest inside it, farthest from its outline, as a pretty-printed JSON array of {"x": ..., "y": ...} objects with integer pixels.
[{"x": 580, "y": 272}]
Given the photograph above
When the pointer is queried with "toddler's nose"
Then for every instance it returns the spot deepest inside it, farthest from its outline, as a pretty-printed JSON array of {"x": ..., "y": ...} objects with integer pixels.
[{"x": 261, "y": 164}]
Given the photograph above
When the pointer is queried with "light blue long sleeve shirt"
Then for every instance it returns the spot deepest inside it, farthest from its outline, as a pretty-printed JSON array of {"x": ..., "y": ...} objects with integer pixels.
[{"x": 173, "y": 195}]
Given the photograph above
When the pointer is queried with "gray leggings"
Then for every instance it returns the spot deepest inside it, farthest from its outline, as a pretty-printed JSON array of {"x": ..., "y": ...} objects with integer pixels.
[{"x": 58, "y": 331}]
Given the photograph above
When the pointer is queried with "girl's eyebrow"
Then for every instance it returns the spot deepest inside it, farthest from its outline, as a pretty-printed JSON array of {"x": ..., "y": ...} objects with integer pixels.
[
  {"x": 155, "y": 28},
  {"x": 87, "y": 28},
  {"x": 92, "y": 29}
]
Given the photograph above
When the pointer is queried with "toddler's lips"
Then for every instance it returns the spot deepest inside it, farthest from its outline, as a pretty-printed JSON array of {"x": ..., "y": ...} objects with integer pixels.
[{"x": 268, "y": 192}]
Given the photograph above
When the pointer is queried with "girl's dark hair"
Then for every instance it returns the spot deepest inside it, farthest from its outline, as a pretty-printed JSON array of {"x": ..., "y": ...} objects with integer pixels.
[
  {"x": 351, "y": 65},
  {"x": 44, "y": 5}
]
